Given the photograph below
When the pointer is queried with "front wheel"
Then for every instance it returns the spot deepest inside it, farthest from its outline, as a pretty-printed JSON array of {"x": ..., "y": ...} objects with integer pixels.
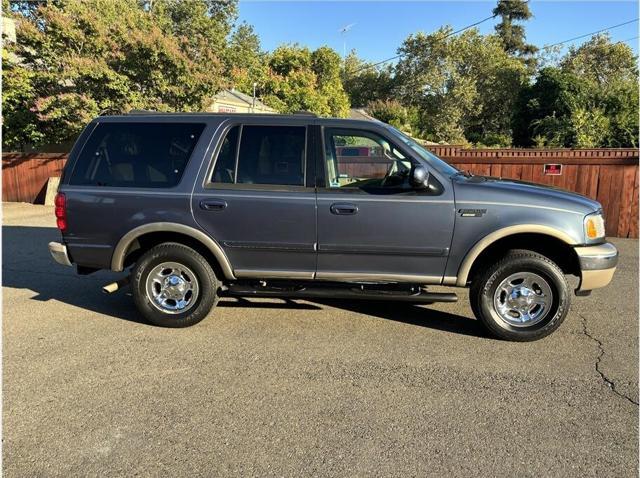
[
  {"x": 523, "y": 297},
  {"x": 174, "y": 286}
]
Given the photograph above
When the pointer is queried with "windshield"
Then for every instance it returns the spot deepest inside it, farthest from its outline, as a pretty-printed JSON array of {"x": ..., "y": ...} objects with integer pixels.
[{"x": 442, "y": 166}]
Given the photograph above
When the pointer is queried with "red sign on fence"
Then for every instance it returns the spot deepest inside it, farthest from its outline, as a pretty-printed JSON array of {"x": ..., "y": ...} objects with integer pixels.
[{"x": 553, "y": 169}]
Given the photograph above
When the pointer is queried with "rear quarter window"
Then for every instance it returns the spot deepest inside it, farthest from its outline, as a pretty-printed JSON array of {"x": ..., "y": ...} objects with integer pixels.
[{"x": 136, "y": 155}]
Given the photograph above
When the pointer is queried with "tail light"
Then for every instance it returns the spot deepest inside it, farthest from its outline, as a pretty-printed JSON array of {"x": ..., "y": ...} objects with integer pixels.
[{"x": 61, "y": 211}]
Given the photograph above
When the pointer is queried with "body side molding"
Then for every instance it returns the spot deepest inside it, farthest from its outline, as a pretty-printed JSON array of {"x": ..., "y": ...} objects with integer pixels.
[
  {"x": 375, "y": 277},
  {"x": 482, "y": 244},
  {"x": 117, "y": 261}
]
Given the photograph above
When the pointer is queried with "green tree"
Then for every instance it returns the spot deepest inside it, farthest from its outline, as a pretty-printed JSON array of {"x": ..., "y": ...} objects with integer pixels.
[
  {"x": 512, "y": 33},
  {"x": 543, "y": 109},
  {"x": 76, "y": 59},
  {"x": 464, "y": 87},
  {"x": 610, "y": 71},
  {"x": 364, "y": 83},
  {"x": 299, "y": 79},
  {"x": 393, "y": 113},
  {"x": 326, "y": 64},
  {"x": 589, "y": 100},
  {"x": 601, "y": 62},
  {"x": 245, "y": 63},
  {"x": 202, "y": 25}
]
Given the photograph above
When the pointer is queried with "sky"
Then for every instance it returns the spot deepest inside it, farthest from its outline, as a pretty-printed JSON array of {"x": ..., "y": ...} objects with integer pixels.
[{"x": 381, "y": 26}]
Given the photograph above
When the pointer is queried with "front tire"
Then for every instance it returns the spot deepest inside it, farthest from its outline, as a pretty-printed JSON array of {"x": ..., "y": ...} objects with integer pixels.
[
  {"x": 523, "y": 297},
  {"x": 174, "y": 286}
]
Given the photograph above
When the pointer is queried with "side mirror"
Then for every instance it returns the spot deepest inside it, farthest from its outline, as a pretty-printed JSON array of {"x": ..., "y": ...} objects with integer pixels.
[{"x": 419, "y": 177}]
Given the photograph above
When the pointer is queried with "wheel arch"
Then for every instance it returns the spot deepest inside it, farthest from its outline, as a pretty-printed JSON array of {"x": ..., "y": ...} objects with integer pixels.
[
  {"x": 169, "y": 232},
  {"x": 546, "y": 240}
]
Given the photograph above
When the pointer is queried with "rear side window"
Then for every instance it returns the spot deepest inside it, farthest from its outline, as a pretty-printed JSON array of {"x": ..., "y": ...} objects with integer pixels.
[
  {"x": 140, "y": 155},
  {"x": 224, "y": 172},
  {"x": 267, "y": 155}
]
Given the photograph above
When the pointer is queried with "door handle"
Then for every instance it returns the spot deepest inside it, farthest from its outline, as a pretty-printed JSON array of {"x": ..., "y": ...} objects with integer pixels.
[
  {"x": 213, "y": 204},
  {"x": 343, "y": 209}
]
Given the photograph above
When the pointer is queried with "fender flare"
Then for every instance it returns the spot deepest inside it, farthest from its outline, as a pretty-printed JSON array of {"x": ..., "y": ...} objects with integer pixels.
[
  {"x": 117, "y": 260},
  {"x": 486, "y": 241}
]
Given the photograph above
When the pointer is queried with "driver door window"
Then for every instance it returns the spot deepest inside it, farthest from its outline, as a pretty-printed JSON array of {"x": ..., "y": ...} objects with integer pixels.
[{"x": 364, "y": 160}]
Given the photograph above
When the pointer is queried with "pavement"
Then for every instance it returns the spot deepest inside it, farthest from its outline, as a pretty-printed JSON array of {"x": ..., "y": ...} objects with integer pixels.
[{"x": 300, "y": 388}]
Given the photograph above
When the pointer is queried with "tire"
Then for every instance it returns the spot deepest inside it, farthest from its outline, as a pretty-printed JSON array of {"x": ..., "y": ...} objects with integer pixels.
[
  {"x": 174, "y": 286},
  {"x": 520, "y": 315}
]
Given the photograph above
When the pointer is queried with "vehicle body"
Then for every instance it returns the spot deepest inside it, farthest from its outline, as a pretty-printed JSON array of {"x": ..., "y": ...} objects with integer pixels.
[{"x": 301, "y": 206}]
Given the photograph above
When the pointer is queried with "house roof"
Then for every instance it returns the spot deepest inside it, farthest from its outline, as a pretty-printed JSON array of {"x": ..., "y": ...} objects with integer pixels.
[
  {"x": 361, "y": 114},
  {"x": 239, "y": 97}
]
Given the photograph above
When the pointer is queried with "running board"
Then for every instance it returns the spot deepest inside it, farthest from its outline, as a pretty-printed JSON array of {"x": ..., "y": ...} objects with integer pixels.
[{"x": 313, "y": 292}]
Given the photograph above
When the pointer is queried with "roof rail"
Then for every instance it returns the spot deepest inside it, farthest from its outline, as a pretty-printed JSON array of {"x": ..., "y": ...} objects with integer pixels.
[
  {"x": 305, "y": 113},
  {"x": 143, "y": 112}
]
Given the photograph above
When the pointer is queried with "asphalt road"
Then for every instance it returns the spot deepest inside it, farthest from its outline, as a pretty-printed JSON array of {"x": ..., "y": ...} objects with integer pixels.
[{"x": 277, "y": 388}]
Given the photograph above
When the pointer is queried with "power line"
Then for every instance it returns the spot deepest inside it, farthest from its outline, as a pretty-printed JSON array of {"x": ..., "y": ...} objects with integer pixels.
[
  {"x": 479, "y": 22},
  {"x": 592, "y": 33},
  {"x": 372, "y": 65},
  {"x": 628, "y": 39},
  {"x": 417, "y": 81}
]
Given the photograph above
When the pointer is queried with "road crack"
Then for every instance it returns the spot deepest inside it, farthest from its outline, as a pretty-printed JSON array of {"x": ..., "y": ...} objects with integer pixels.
[{"x": 608, "y": 382}]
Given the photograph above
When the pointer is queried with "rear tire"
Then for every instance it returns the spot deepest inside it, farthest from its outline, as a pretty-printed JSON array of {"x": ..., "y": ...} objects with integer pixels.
[
  {"x": 174, "y": 286},
  {"x": 523, "y": 297}
]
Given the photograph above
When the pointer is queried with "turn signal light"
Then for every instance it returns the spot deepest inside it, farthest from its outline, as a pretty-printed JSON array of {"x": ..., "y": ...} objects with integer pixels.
[
  {"x": 61, "y": 211},
  {"x": 594, "y": 226}
]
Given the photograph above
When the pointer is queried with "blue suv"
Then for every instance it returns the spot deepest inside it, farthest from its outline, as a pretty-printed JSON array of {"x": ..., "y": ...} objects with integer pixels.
[{"x": 197, "y": 206}]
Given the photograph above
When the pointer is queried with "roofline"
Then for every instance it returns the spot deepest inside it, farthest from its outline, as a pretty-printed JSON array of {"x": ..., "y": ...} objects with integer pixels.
[{"x": 250, "y": 103}]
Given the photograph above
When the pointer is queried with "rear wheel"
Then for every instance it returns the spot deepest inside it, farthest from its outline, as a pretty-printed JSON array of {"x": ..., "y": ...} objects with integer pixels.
[
  {"x": 174, "y": 286},
  {"x": 522, "y": 297}
]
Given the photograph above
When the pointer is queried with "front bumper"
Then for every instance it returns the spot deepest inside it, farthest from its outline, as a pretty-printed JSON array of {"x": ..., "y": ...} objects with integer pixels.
[
  {"x": 59, "y": 253},
  {"x": 597, "y": 265}
]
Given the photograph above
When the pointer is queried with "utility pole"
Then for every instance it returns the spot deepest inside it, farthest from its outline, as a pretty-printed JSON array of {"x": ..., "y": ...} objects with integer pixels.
[{"x": 253, "y": 103}]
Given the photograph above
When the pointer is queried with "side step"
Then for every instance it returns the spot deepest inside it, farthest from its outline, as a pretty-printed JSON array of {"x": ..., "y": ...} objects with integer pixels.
[{"x": 414, "y": 295}]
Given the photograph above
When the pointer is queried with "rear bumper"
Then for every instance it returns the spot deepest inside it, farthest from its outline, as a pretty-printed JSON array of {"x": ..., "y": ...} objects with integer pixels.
[
  {"x": 597, "y": 265},
  {"x": 59, "y": 253}
]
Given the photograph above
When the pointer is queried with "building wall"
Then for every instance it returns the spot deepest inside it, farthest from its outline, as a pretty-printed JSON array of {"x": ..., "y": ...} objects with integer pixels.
[{"x": 222, "y": 106}]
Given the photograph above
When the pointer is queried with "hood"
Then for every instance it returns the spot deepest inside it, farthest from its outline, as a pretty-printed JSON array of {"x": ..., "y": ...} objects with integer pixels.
[{"x": 485, "y": 188}]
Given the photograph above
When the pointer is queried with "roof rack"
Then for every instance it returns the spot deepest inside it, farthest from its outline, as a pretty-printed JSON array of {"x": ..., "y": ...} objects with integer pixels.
[
  {"x": 305, "y": 113},
  {"x": 143, "y": 112}
]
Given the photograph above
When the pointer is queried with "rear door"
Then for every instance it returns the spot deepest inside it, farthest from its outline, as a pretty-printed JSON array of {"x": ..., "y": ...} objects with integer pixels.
[
  {"x": 372, "y": 225},
  {"x": 257, "y": 199}
]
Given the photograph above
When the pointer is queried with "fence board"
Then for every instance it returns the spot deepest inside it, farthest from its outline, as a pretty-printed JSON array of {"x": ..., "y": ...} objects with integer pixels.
[
  {"x": 25, "y": 176},
  {"x": 628, "y": 183},
  {"x": 633, "y": 218}
]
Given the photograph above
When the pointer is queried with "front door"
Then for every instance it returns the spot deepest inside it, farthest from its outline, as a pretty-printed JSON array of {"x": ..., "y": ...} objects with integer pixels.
[
  {"x": 256, "y": 204},
  {"x": 372, "y": 225}
]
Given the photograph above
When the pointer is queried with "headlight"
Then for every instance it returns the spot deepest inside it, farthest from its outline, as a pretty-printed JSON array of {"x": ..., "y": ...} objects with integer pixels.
[{"x": 594, "y": 226}]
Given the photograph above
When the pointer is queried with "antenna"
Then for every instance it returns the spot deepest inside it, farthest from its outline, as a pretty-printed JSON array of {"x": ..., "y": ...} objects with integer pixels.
[
  {"x": 346, "y": 28},
  {"x": 343, "y": 31}
]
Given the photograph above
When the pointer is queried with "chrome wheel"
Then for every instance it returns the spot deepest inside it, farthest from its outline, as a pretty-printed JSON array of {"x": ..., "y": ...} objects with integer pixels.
[
  {"x": 523, "y": 299},
  {"x": 172, "y": 288}
]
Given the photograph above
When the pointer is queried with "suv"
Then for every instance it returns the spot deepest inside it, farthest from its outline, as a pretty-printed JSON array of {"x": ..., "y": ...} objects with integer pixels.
[{"x": 197, "y": 206}]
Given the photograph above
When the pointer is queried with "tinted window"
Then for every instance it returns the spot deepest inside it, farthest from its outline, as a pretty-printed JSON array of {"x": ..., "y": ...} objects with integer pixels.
[
  {"x": 224, "y": 170},
  {"x": 146, "y": 155},
  {"x": 272, "y": 155}
]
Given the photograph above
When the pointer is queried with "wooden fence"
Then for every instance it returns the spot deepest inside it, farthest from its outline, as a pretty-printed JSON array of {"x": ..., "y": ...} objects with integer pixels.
[
  {"x": 609, "y": 176},
  {"x": 25, "y": 176}
]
